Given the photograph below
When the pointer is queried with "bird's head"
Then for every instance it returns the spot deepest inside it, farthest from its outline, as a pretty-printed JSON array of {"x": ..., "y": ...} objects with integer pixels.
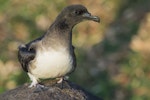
[{"x": 75, "y": 14}]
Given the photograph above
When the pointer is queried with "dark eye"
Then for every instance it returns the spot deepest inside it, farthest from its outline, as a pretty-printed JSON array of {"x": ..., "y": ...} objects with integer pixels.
[{"x": 78, "y": 12}]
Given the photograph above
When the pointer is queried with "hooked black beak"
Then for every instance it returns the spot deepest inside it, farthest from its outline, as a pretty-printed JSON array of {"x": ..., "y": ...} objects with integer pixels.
[{"x": 88, "y": 16}]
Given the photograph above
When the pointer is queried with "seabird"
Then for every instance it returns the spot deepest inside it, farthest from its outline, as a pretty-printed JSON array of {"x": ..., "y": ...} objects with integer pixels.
[{"x": 52, "y": 55}]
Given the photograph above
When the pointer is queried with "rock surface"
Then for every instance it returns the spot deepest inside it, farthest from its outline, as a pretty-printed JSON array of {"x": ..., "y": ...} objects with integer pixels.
[{"x": 69, "y": 91}]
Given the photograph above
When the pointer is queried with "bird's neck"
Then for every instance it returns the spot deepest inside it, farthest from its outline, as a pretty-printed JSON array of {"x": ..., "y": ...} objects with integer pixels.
[
  {"x": 60, "y": 33},
  {"x": 62, "y": 25}
]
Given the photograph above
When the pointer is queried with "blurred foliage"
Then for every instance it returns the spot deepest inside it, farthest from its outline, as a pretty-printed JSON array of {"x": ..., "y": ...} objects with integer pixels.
[{"x": 128, "y": 79}]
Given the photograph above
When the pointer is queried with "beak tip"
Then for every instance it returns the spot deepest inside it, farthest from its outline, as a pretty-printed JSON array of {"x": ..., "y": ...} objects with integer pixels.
[
  {"x": 91, "y": 17},
  {"x": 96, "y": 19}
]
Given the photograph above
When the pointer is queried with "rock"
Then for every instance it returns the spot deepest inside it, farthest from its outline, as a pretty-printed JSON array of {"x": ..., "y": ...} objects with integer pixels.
[{"x": 69, "y": 91}]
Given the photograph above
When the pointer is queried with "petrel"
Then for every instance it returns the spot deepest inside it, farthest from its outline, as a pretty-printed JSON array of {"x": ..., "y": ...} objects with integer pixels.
[{"x": 52, "y": 55}]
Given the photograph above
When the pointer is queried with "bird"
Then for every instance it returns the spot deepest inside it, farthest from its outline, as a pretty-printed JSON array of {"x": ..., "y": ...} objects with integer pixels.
[{"x": 52, "y": 54}]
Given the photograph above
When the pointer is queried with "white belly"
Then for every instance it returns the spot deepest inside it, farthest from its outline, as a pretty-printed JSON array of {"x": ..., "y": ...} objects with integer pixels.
[{"x": 51, "y": 64}]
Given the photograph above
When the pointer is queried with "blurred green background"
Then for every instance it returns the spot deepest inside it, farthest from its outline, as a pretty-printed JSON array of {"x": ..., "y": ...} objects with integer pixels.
[{"x": 112, "y": 57}]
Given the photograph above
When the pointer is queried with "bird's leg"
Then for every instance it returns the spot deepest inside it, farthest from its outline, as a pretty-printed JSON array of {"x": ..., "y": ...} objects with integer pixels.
[
  {"x": 34, "y": 80},
  {"x": 61, "y": 80},
  {"x": 35, "y": 83}
]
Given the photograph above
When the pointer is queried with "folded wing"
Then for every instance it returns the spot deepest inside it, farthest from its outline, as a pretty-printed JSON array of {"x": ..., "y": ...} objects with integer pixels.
[{"x": 26, "y": 54}]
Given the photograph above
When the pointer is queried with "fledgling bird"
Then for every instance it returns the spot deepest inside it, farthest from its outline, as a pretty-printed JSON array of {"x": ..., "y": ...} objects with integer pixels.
[{"x": 52, "y": 55}]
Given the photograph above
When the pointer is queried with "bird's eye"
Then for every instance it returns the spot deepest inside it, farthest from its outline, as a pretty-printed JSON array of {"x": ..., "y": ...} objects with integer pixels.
[{"x": 78, "y": 12}]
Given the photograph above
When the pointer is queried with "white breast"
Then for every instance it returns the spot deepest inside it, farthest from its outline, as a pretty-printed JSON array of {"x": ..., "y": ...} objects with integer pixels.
[{"x": 51, "y": 63}]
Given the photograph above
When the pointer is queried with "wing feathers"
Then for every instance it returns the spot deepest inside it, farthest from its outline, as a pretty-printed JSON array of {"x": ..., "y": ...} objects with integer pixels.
[{"x": 25, "y": 54}]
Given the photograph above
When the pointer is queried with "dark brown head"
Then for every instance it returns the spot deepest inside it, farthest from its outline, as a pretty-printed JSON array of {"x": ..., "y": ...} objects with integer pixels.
[{"x": 74, "y": 14}]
